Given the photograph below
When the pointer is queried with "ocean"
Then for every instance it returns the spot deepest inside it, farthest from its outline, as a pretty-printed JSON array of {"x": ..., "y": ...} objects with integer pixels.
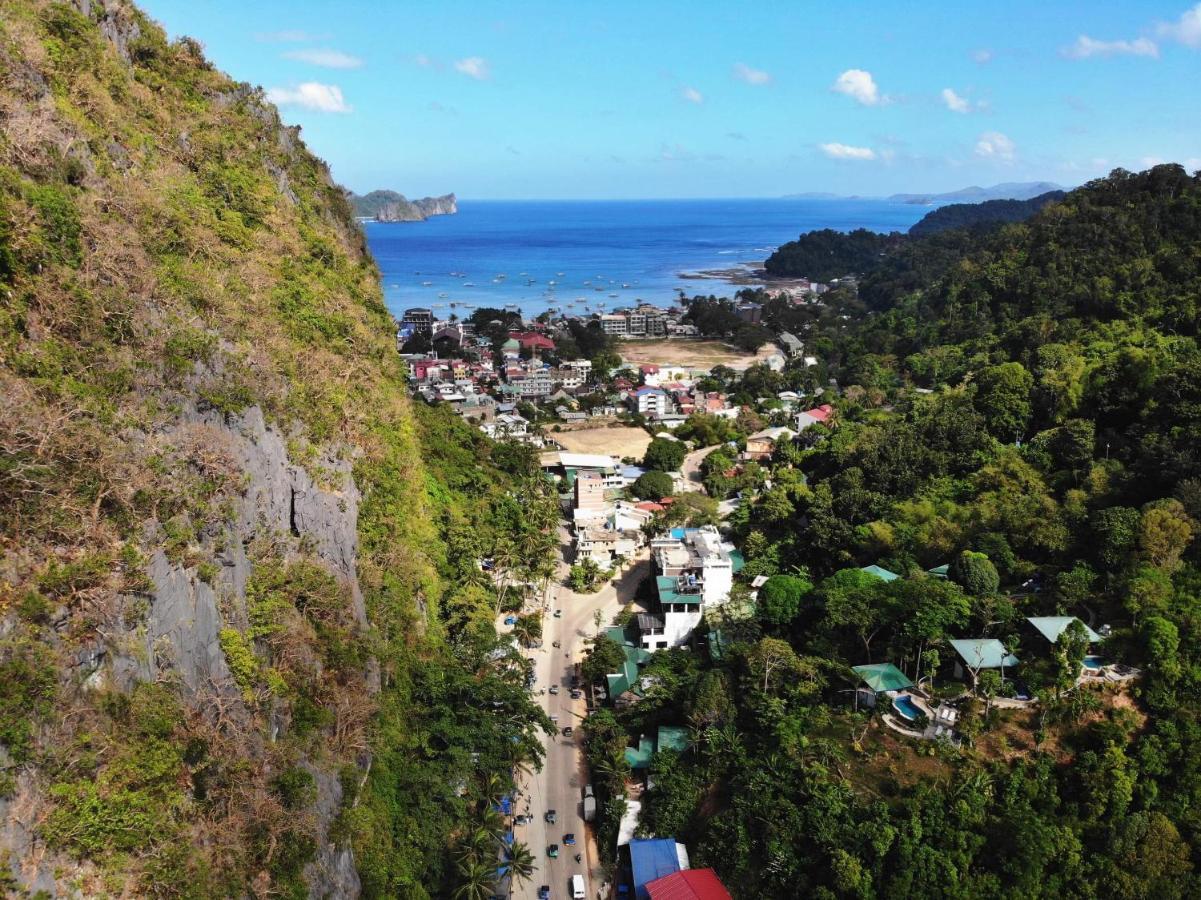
[{"x": 589, "y": 256}]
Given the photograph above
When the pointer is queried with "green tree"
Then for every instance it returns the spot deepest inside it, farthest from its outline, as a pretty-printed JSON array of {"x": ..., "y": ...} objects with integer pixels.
[
  {"x": 652, "y": 486},
  {"x": 781, "y": 596},
  {"x": 604, "y": 657},
  {"x": 1003, "y": 399},
  {"x": 975, "y": 573},
  {"x": 664, "y": 455}
]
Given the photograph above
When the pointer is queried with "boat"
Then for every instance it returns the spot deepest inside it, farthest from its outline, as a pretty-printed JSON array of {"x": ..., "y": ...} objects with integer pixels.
[
  {"x": 612, "y": 295},
  {"x": 426, "y": 283},
  {"x": 468, "y": 284},
  {"x": 443, "y": 294}
]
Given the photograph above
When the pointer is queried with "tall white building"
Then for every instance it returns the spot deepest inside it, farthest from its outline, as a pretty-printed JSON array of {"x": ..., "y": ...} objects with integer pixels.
[{"x": 695, "y": 572}]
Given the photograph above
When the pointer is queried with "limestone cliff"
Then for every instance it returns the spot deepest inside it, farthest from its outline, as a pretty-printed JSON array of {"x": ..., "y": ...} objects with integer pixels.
[
  {"x": 213, "y": 517},
  {"x": 389, "y": 206}
]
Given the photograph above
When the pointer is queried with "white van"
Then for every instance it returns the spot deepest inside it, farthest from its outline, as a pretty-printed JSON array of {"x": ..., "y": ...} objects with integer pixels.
[{"x": 577, "y": 887}]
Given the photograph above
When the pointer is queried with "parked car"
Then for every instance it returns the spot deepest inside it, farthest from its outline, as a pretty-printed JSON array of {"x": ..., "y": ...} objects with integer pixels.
[
  {"x": 544, "y": 892},
  {"x": 510, "y": 620},
  {"x": 569, "y": 839},
  {"x": 576, "y": 694},
  {"x": 558, "y": 613},
  {"x": 567, "y": 731},
  {"x": 554, "y": 689},
  {"x": 551, "y": 817},
  {"x": 553, "y": 851}
]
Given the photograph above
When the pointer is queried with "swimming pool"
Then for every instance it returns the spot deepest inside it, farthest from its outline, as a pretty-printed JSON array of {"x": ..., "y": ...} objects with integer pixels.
[
  {"x": 1095, "y": 663},
  {"x": 906, "y": 707}
]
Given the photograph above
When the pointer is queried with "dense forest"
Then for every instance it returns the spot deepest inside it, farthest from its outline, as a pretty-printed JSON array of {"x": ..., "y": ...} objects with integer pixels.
[
  {"x": 1020, "y": 407},
  {"x": 246, "y": 642},
  {"x": 990, "y": 212},
  {"x": 826, "y": 254}
]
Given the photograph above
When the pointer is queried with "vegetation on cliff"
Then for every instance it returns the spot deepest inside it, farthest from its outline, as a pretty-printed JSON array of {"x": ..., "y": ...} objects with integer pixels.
[{"x": 174, "y": 267}]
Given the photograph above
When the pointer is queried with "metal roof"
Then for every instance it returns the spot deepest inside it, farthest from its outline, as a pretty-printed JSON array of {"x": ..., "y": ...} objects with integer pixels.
[
  {"x": 652, "y": 859},
  {"x": 883, "y": 677},
  {"x": 691, "y": 884},
  {"x": 1051, "y": 627},
  {"x": 880, "y": 572},
  {"x": 983, "y": 653}
]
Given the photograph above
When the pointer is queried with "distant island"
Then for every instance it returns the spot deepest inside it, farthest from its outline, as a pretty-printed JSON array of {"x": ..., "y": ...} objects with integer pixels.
[
  {"x": 1009, "y": 190},
  {"x": 389, "y": 206}
]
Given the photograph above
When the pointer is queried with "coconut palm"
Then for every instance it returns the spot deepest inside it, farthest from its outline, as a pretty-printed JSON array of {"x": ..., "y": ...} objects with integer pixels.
[
  {"x": 477, "y": 880},
  {"x": 521, "y": 862},
  {"x": 477, "y": 845}
]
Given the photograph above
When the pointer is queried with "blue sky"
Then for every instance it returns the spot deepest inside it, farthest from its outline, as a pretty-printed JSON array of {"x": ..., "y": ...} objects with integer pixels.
[{"x": 703, "y": 99}]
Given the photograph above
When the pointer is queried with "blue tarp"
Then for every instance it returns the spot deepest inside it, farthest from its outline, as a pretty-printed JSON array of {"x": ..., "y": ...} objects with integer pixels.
[
  {"x": 504, "y": 806},
  {"x": 651, "y": 859}
]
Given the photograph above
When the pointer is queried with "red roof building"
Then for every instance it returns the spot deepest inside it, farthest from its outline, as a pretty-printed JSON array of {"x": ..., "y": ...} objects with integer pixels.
[
  {"x": 531, "y": 340},
  {"x": 821, "y": 413},
  {"x": 689, "y": 884}
]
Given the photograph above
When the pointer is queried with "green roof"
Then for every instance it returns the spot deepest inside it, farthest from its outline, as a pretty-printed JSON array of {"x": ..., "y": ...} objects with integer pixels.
[
  {"x": 635, "y": 656},
  {"x": 940, "y": 571},
  {"x": 882, "y": 677},
  {"x": 669, "y": 594},
  {"x": 880, "y": 572},
  {"x": 983, "y": 653},
  {"x": 640, "y": 758},
  {"x": 673, "y": 737},
  {"x": 717, "y": 644},
  {"x": 1051, "y": 627}
]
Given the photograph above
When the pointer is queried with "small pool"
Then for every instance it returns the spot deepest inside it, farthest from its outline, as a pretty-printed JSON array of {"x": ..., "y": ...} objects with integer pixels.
[
  {"x": 1095, "y": 663},
  {"x": 906, "y": 707}
]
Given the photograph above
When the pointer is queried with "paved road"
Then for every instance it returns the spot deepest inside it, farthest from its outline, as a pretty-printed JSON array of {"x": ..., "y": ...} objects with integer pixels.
[
  {"x": 559, "y": 786},
  {"x": 691, "y": 468}
]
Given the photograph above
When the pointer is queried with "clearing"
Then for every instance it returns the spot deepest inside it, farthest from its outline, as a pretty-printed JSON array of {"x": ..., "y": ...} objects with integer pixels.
[
  {"x": 692, "y": 354},
  {"x": 621, "y": 441}
]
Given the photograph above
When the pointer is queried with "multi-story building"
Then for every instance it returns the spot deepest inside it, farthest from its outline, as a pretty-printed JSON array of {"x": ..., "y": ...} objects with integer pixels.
[
  {"x": 694, "y": 573},
  {"x": 613, "y": 323},
  {"x": 506, "y": 425},
  {"x": 649, "y": 401},
  {"x": 419, "y": 319}
]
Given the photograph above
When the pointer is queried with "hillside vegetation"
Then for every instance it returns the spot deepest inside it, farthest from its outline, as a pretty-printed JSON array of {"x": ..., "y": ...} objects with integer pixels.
[
  {"x": 990, "y": 212},
  {"x": 1052, "y": 466},
  {"x": 245, "y": 644}
]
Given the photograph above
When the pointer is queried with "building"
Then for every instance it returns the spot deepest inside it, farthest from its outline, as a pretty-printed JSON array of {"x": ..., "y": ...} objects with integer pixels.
[
  {"x": 652, "y": 859},
  {"x": 819, "y": 415},
  {"x": 790, "y": 343},
  {"x": 694, "y": 572},
  {"x": 589, "y": 500},
  {"x": 880, "y": 572},
  {"x": 762, "y": 444},
  {"x": 689, "y": 884},
  {"x": 751, "y": 313},
  {"x": 419, "y": 319},
  {"x": 532, "y": 341},
  {"x": 978, "y": 654},
  {"x": 1051, "y": 627},
  {"x": 649, "y": 401},
  {"x": 506, "y": 425},
  {"x": 604, "y": 545},
  {"x": 612, "y": 323}
]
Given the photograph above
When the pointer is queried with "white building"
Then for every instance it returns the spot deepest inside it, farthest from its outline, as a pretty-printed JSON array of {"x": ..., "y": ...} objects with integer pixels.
[
  {"x": 506, "y": 425},
  {"x": 650, "y": 401},
  {"x": 614, "y": 324},
  {"x": 695, "y": 573}
]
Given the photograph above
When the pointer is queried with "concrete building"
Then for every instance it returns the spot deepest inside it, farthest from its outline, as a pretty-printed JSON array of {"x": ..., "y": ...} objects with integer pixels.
[
  {"x": 695, "y": 572},
  {"x": 419, "y": 319},
  {"x": 613, "y": 323},
  {"x": 650, "y": 401}
]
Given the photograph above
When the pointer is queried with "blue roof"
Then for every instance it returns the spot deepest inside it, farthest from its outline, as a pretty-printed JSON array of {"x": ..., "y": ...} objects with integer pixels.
[
  {"x": 1051, "y": 627},
  {"x": 983, "y": 653},
  {"x": 651, "y": 859}
]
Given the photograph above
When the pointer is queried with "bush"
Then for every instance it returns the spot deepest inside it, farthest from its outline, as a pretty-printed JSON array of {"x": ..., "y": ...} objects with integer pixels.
[{"x": 652, "y": 486}]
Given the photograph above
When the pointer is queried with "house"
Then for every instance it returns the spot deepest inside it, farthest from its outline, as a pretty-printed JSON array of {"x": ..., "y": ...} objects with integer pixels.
[
  {"x": 511, "y": 349},
  {"x": 978, "y": 654},
  {"x": 623, "y": 686},
  {"x": 629, "y": 516},
  {"x": 652, "y": 859},
  {"x": 1051, "y": 627},
  {"x": 506, "y": 425},
  {"x": 775, "y": 362},
  {"x": 531, "y": 341},
  {"x": 669, "y": 737},
  {"x": 762, "y": 444},
  {"x": 649, "y": 401},
  {"x": 879, "y": 678},
  {"x": 589, "y": 499},
  {"x": 751, "y": 313},
  {"x": 880, "y": 572},
  {"x": 790, "y": 343},
  {"x": 689, "y": 884},
  {"x": 819, "y": 415}
]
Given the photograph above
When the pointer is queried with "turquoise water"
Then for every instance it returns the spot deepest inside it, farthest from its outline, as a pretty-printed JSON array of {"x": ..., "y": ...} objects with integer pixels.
[
  {"x": 599, "y": 254},
  {"x": 1094, "y": 662},
  {"x": 906, "y": 707}
]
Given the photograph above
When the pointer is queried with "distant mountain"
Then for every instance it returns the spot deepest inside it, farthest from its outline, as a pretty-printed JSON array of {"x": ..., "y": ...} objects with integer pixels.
[
  {"x": 816, "y": 195},
  {"x": 990, "y": 212},
  {"x": 389, "y": 206},
  {"x": 1010, "y": 190}
]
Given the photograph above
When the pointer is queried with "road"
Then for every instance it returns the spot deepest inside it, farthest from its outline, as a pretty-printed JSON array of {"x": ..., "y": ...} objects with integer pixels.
[
  {"x": 691, "y": 468},
  {"x": 559, "y": 786}
]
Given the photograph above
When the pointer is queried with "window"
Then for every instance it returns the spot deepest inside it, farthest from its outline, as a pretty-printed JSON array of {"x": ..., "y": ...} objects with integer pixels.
[{"x": 661, "y": 645}]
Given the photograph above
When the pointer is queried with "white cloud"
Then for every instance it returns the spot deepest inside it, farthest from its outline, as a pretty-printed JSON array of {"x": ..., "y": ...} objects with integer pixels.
[
  {"x": 994, "y": 145},
  {"x": 843, "y": 151},
  {"x": 1186, "y": 30},
  {"x": 310, "y": 95},
  {"x": 1086, "y": 47},
  {"x": 954, "y": 102},
  {"x": 474, "y": 67},
  {"x": 743, "y": 72},
  {"x": 329, "y": 59},
  {"x": 859, "y": 86},
  {"x": 982, "y": 56},
  {"x": 692, "y": 95}
]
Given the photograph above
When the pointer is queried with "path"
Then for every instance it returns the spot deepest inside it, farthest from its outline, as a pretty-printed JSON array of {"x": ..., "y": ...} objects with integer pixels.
[
  {"x": 691, "y": 468},
  {"x": 560, "y": 784}
]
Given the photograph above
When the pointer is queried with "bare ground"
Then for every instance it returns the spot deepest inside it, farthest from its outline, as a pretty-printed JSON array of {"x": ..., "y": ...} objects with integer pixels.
[
  {"x": 692, "y": 354},
  {"x": 621, "y": 441}
]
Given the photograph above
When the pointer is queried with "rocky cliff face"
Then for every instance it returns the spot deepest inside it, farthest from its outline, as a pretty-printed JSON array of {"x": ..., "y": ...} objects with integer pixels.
[
  {"x": 389, "y": 206},
  {"x": 199, "y": 400}
]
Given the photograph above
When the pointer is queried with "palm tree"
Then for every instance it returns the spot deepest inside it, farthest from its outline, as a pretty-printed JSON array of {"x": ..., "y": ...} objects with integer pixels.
[
  {"x": 477, "y": 882},
  {"x": 475, "y": 846},
  {"x": 492, "y": 788},
  {"x": 521, "y": 862},
  {"x": 493, "y": 823}
]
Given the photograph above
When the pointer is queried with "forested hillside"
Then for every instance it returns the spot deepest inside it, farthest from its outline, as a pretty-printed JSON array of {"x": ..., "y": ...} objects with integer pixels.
[
  {"x": 990, "y": 212},
  {"x": 1049, "y": 463},
  {"x": 246, "y": 648}
]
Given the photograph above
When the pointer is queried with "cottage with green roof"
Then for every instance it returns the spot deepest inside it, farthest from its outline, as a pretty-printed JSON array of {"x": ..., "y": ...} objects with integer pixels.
[
  {"x": 1051, "y": 627},
  {"x": 880, "y": 572},
  {"x": 979, "y": 654}
]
